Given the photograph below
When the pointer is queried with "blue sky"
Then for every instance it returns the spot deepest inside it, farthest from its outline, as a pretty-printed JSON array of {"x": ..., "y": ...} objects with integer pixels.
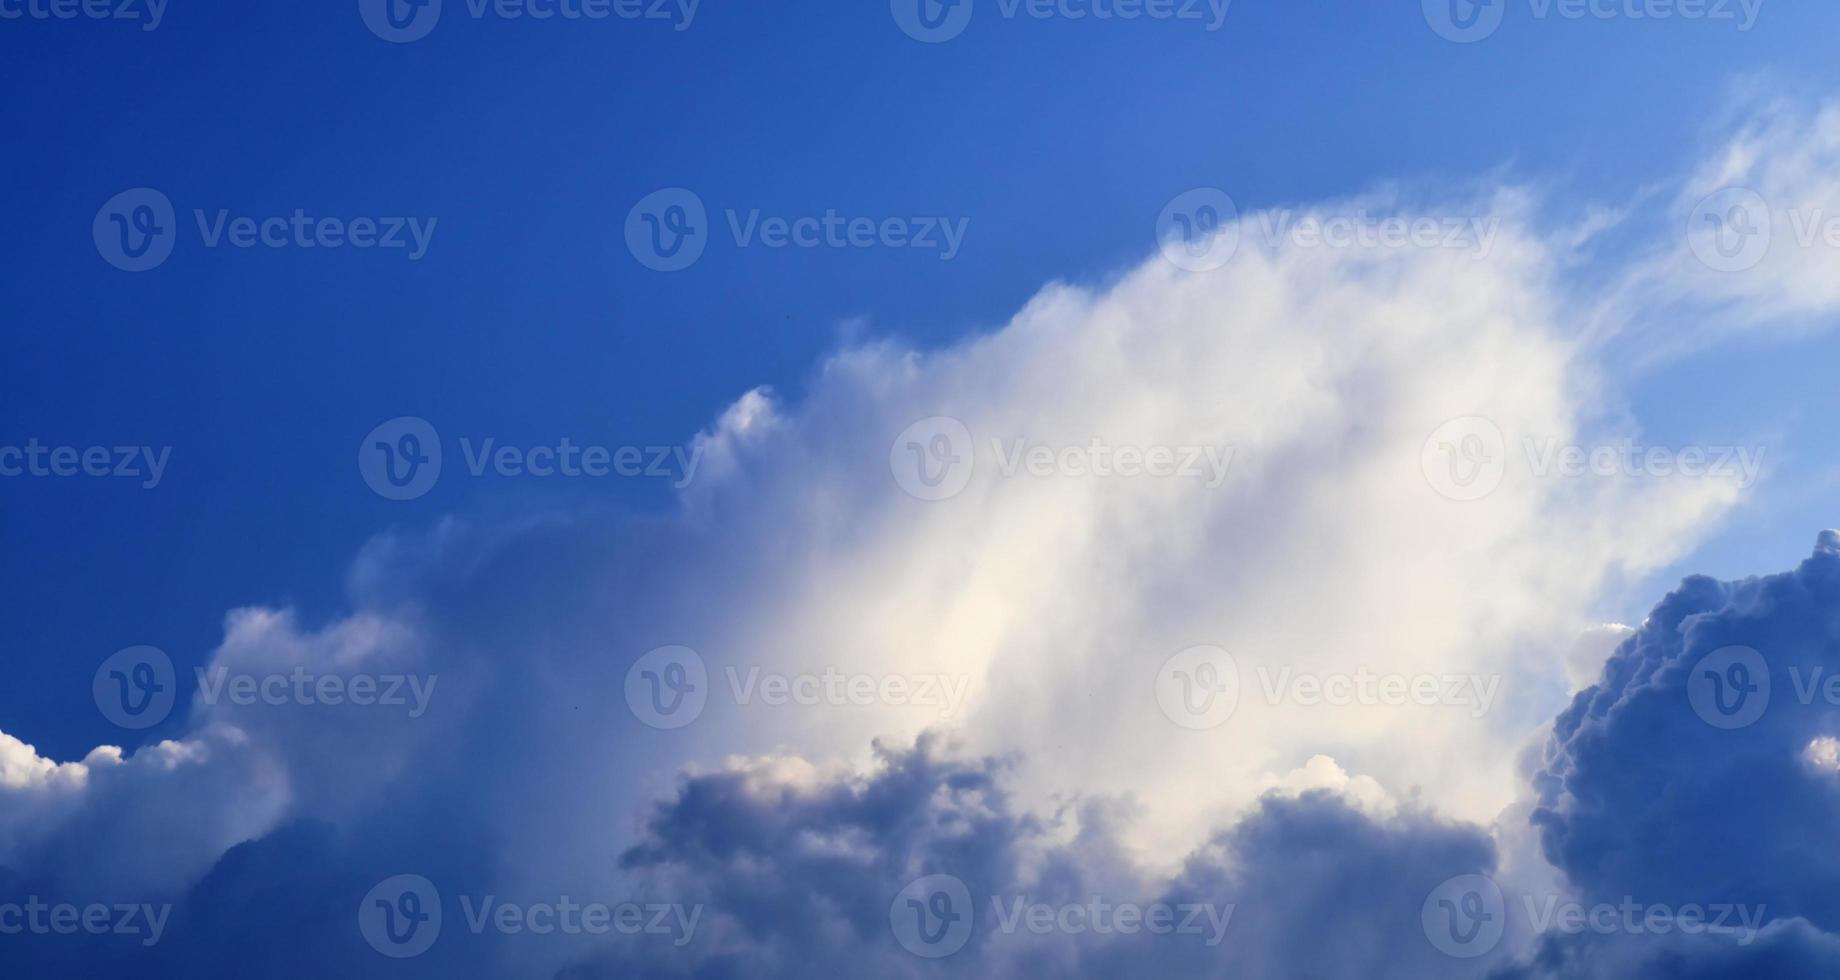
[
  {"x": 1054, "y": 141},
  {"x": 1057, "y": 140}
]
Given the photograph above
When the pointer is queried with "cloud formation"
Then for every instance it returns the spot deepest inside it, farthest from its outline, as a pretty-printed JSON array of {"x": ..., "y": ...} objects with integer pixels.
[{"x": 1333, "y": 549}]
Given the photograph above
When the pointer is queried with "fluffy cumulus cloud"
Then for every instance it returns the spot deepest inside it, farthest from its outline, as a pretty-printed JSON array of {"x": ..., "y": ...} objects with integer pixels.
[
  {"x": 936, "y": 619},
  {"x": 1696, "y": 772}
]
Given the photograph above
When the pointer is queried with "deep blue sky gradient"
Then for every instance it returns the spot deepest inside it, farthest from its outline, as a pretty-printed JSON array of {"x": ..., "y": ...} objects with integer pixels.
[{"x": 528, "y": 320}]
